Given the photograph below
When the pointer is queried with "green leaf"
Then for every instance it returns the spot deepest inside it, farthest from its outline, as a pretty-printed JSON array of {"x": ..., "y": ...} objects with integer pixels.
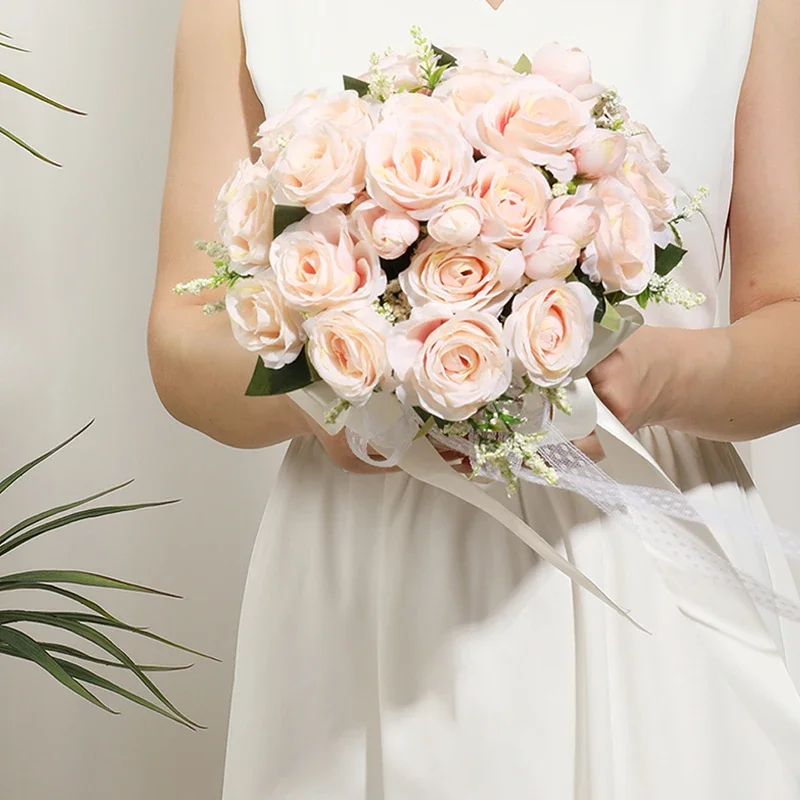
[
  {"x": 611, "y": 318},
  {"x": 52, "y": 512},
  {"x": 73, "y": 624},
  {"x": 13, "y": 46},
  {"x": 89, "y": 513},
  {"x": 445, "y": 59},
  {"x": 429, "y": 425},
  {"x": 667, "y": 258},
  {"x": 523, "y": 66},
  {"x": 74, "y": 596},
  {"x": 643, "y": 298},
  {"x": 73, "y": 652},
  {"x": 284, "y": 216},
  {"x": 79, "y": 579},
  {"x": 356, "y": 85},
  {"x": 20, "y": 87},
  {"x": 87, "y": 676},
  {"x": 15, "y": 476},
  {"x": 266, "y": 382},
  {"x": 29, "y": 648}
]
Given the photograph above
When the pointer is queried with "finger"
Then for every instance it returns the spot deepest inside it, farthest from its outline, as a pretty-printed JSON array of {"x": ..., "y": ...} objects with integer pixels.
[{"x": 590, "y": 446}]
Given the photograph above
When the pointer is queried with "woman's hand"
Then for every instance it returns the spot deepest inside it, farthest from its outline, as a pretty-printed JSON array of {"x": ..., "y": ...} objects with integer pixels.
[{"x": 632, "y": 381}]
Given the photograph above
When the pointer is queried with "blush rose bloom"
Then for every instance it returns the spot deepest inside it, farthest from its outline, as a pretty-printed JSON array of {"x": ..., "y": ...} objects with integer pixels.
[
  {"x": 478, "y": 276},
  {"x": 348, "y": 350},
  {"x": 531, "y": 119},
  {"x": 622, "y": 254},
  {"x": 278, "y": 129},
  {"x": 417, "y": 163},
  {"x": 319, "y": 265},
  {"x": 321, "y": 167},
  {"x": 576, "y": 216},
  {"x": 244, "y": 215},
  {"x": 346, "y": 111},
  {"x": 549, "y": 255},
  {"x": 550, "y": 329},
  {"x": 461, "y": 221},
  {"x": 391, "y": 233},
  {"x": 407, "y": 104},
  {"x": 262, "y": 322},
  {"x": 653, "y": 189},
  {"x": 514, "y": 194},
  {"x": 469, "y": 85},
  {"x": 644, "y": 141},
  {"x": 451, "y": 365},
  {"x": 599, "y": 152},
  {"x": 567, "y": 68}
]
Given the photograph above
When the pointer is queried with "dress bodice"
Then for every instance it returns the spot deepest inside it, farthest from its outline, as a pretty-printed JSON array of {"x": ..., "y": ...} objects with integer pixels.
[{"x": 678, "y": 65}]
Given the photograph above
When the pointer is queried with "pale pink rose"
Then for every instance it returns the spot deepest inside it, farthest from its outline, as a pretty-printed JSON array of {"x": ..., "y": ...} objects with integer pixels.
[
  {"x": 417, "y": 163},
  {"x": 459, "y": 222},
  {"x": 531, "y": 119},
  {"x": 567, "y": 68},
  {"x": 576, "y": 216},
  {"x": 278, "y": 129},
  {"x": 652, "y": 188},
  {"x": 549, "y": 255},
  {"x": 450, "y": 365},
  {"x": 643, "y": 140},
  {"x": 599, "y": 152},
  {"x": 319, "y": 265},
  {"x": 346, "y": 111},
  {"x": 262, "y": 322},
  {"x": 407, "y": 104},
  {"x": 622, "y": 254},
  {"x": 550, "y": 330},
  {"x": 478, "y": 276},
  {"x": 391, "y": 233},
  {"x": 244, "y": 215},
  {"x": 348, "y": 351},
  {"x": 321, "y": 167},
  {"x": 514, "y": 194},
  {"x": 472, "y": 84},
  {"x": 403, "y": 69}
]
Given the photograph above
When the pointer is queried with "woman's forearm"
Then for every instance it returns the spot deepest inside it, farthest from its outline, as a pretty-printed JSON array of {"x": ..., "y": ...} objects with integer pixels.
[
  {"x": 201, "y": 374},
  {"x": 735, "y": 383}
]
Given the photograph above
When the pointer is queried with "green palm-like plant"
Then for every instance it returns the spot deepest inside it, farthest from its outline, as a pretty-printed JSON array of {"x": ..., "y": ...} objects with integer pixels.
[
  {"x": 5, "y": 42},
  {"x": 71, "y": 665}
]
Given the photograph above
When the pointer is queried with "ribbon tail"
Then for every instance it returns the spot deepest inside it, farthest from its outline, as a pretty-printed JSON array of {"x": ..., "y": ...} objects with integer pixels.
[{"x": 729, "y": 624}]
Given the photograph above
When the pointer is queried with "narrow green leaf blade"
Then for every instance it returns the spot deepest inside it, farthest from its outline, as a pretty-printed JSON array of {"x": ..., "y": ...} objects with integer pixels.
[
  {"x": 87, "y": 676},
  {"x": 667, "y": 258},
  {"x": 284, "y": 216},
  {"x": 266, "y": 382},
  {"x": 79, "y": 579},
  {"x": 523, "y": 66},
  {"x": 25, "y": 146},
  {"x": 52, "y": 512},
  {"x": 21, "y": 87},
  {"x": 356, "y": 85},
  {"x": 29, "y": 648},
  {"x": 13, "y": 47},
  {"x": 643, "y": 298},
  {"x": 69, "y": 623},
  {"x": 15, "y": 476},
  {"x": 73, "y": 652},
  {"x": 89, "y": 513},
  {"x": 74, "y": 596}
]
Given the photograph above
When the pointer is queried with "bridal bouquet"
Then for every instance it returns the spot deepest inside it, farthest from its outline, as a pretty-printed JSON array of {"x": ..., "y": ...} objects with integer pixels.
[{"x": 455, "y": 231}]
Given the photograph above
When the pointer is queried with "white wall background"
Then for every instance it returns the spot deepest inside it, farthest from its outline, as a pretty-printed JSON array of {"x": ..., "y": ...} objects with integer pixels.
[{"x": 79, "y": 249}]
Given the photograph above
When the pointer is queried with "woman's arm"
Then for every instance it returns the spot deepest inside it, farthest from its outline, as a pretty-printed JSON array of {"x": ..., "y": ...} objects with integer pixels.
[
  {"x": 199, "y": 370},
  {"x": 743, "y": 381}
]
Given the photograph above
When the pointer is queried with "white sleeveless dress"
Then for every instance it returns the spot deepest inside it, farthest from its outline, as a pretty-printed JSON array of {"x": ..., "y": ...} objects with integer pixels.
[{"x": 396, "y": 644}]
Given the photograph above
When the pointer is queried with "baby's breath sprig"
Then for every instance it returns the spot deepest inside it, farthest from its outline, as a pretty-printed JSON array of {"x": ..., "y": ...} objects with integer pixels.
[
  {"x": 381, "y": 84},
  {"x": 608, "y": 111},
  {"x": 429, "y": 68},
  {"x": 394, "y": 305},
  {"x": 223, "y": 275},
  {"x": 557, "y": 397},
  {"x": 694, "y": 206},
  {"x": 209, "y": 309},
  {"x": 664, "y": 289}
]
